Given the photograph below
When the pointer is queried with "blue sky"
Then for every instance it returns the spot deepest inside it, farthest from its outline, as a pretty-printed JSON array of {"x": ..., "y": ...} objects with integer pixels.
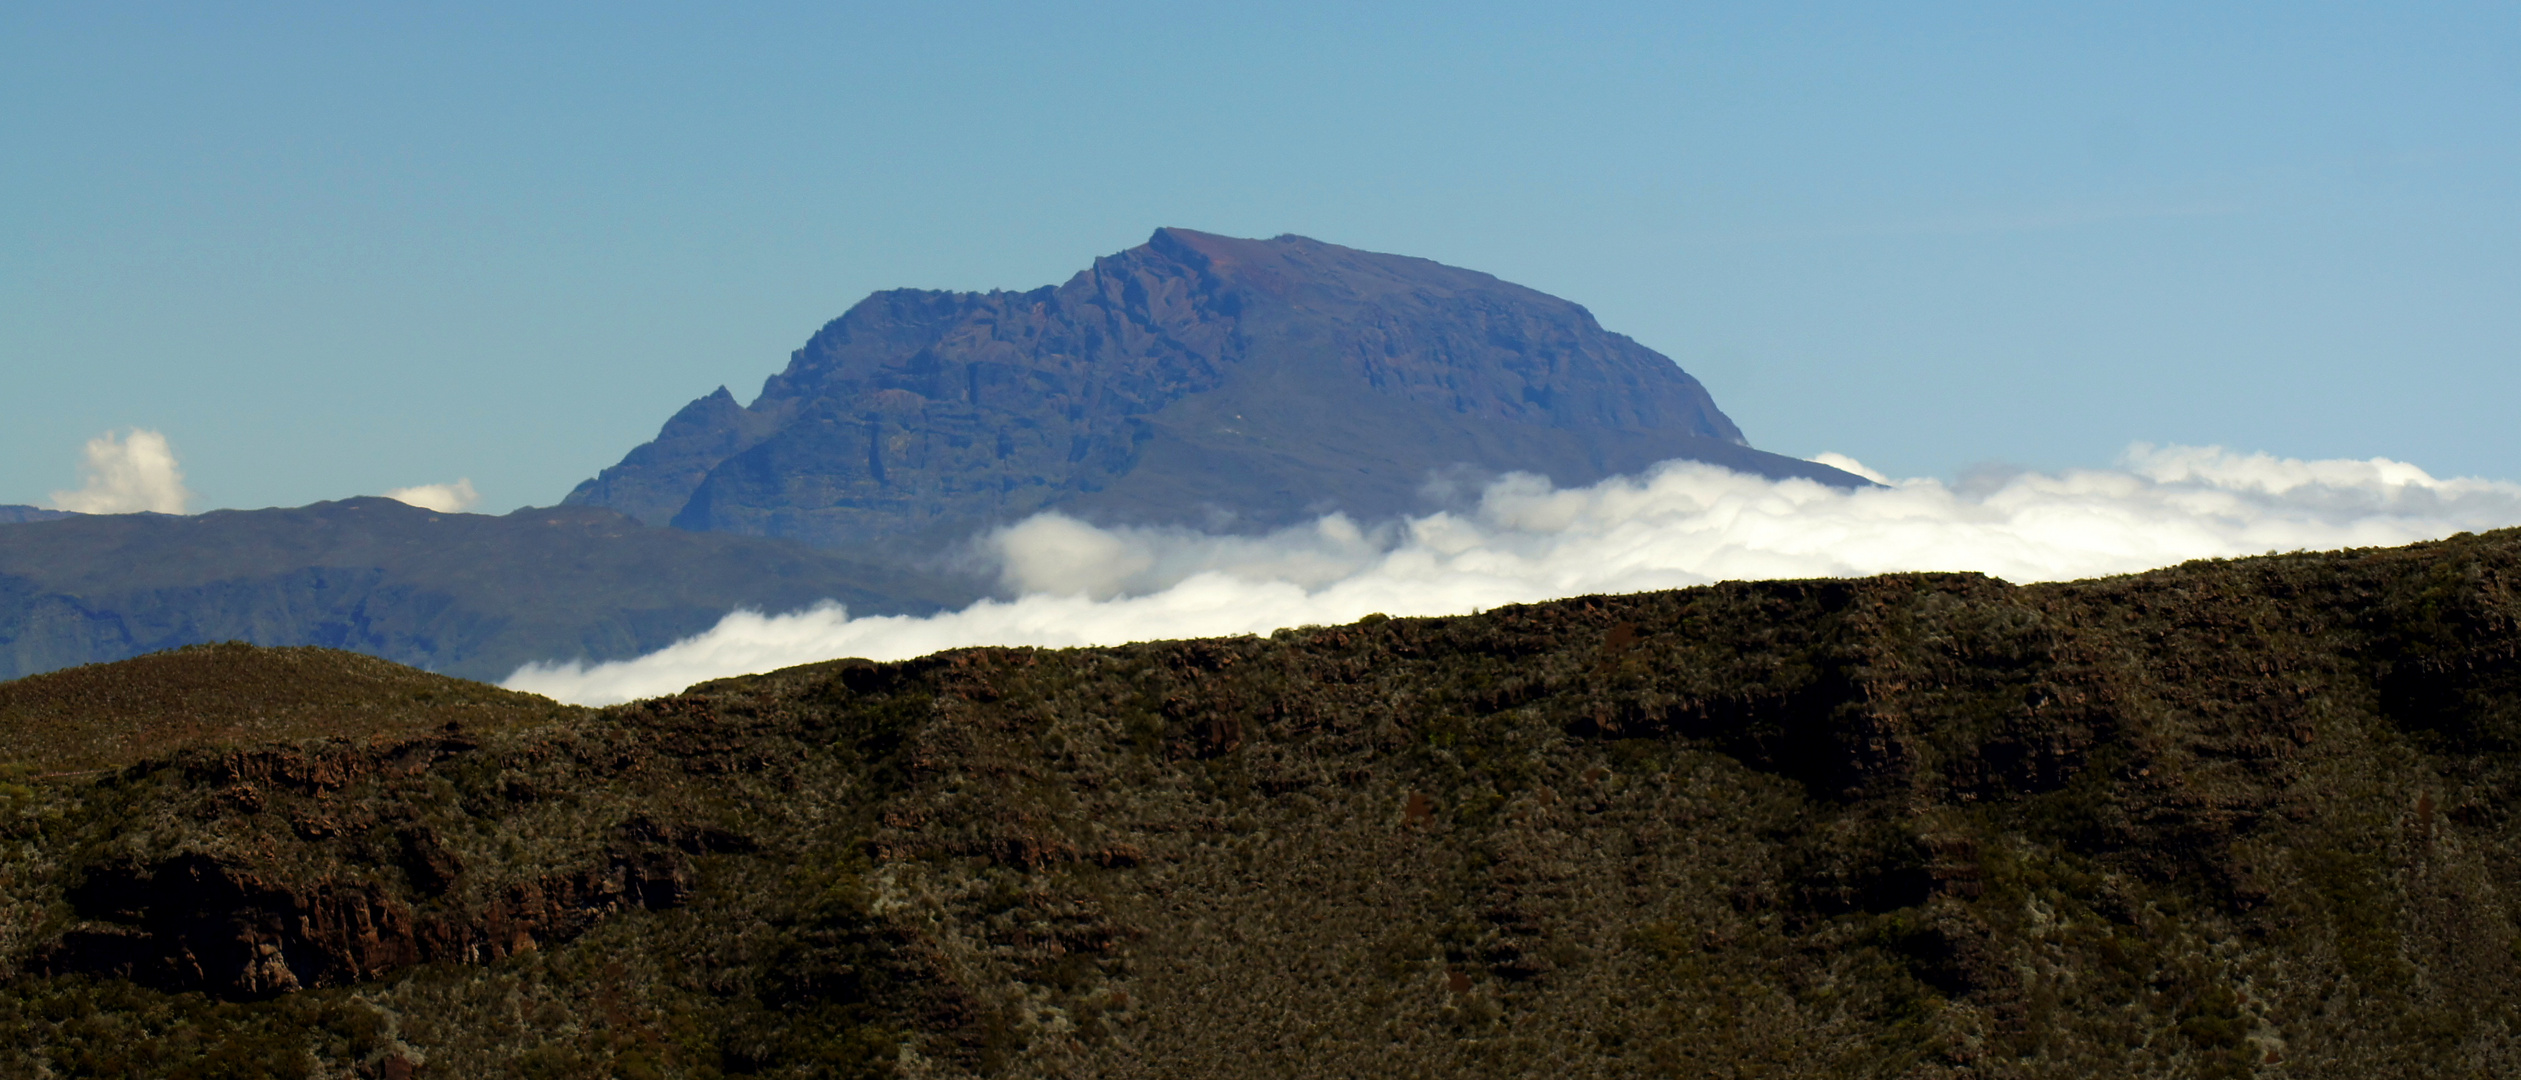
[{"x": 336, "y": 249}]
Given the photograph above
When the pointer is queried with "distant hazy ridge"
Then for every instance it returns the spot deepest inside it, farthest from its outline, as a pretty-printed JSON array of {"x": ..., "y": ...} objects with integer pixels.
[
  {"x": 470, "y": 594},
  {"x": 1195, "y": 379}
]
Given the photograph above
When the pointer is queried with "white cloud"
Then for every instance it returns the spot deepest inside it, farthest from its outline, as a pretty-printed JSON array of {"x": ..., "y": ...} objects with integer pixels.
[
  {"x": 1681, "y": 524},
  {"x": 1845, "y": 464},
  {"x": 1057, "y": 555},
  {"x": 452, "y": 498},
  {"x": 127, "y": 475}
]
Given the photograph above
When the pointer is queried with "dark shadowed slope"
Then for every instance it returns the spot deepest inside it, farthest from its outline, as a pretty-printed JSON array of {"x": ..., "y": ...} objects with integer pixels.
[
  {"x": 11, "y": 515},
  {"x": 467, "y": 594},
  {"x": 1196, "y": 379},
  {"x": 2229, "y": 820}
]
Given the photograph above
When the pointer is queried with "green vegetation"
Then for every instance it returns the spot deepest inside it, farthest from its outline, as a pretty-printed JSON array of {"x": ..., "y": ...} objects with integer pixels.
[
  {"x": 2234, "y": 819},
  {"x": 102, "y": 717}
]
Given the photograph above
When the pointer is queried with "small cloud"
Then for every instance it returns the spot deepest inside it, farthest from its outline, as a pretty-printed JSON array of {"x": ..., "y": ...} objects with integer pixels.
[
  {"x": 452, "y": 498},
  {"x": 1845, "y": 464},
  {"x": 127, "y": 475}
]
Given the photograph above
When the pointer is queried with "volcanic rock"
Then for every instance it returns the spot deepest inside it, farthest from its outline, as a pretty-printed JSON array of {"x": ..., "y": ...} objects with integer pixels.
[{"x": 1197, "y": 380}]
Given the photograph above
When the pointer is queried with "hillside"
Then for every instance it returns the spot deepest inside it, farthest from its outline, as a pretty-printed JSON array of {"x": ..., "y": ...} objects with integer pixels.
[
  {"x": 105, "y": 716},
  {"x": 467, "y": 594},
  {"x": 2249, "y": 818},
  {"x": 11, "y": 515},
  {"x": 1193, "y": 380}
]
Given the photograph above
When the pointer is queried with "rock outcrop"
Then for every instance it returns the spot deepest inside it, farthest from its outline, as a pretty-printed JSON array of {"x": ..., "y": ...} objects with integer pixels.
[
  {"x": 1197, "y": 380},
  {"x": 197, "y": 923}
]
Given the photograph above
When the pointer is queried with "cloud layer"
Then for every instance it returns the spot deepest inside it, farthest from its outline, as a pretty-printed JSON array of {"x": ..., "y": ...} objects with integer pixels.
[
  {"x": 127, "y": 475},
  {"x": 452, "y": 498},
  {"x": 1681, "y": 524}
]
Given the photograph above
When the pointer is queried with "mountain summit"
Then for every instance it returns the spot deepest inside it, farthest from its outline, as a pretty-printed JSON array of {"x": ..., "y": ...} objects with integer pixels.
[{"x": 1195, "y": 379}]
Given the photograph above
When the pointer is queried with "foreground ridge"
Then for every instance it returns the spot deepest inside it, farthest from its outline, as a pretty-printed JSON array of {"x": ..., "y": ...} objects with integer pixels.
[{"x": 2225, "y": 819}]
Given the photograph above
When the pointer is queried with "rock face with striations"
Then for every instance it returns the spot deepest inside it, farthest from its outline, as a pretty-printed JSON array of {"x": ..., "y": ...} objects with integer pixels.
[{"x": 1195, "y": 379}]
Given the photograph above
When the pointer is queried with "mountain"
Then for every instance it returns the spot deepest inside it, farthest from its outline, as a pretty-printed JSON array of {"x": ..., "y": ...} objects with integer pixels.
[
  {"x": 1195, "y": 379},
  {"x": 469, "y": 594},
  {"x": 11, "y": 515},
  {"x": 2231, "y": 819}
]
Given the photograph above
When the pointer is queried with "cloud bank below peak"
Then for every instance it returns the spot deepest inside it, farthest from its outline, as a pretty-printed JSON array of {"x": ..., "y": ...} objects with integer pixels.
[{"x": 1680, "y": 524}]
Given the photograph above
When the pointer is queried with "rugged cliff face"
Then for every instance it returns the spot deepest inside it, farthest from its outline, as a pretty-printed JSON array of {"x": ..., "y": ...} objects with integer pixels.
[
  {"x": 2231, "y": 819},
  {"x": 1196, "y": 379}
]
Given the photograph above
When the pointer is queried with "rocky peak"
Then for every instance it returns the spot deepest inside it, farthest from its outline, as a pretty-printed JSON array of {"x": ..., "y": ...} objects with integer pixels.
[{"x": 1193, "y": 378}]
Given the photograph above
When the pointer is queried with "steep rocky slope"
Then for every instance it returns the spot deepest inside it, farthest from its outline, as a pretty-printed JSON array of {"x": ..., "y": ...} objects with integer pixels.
[
  {"x": 470, "y": 594},
  {"x": 2229, "y": 819},
  {"x": 1195, "y": 379}
]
